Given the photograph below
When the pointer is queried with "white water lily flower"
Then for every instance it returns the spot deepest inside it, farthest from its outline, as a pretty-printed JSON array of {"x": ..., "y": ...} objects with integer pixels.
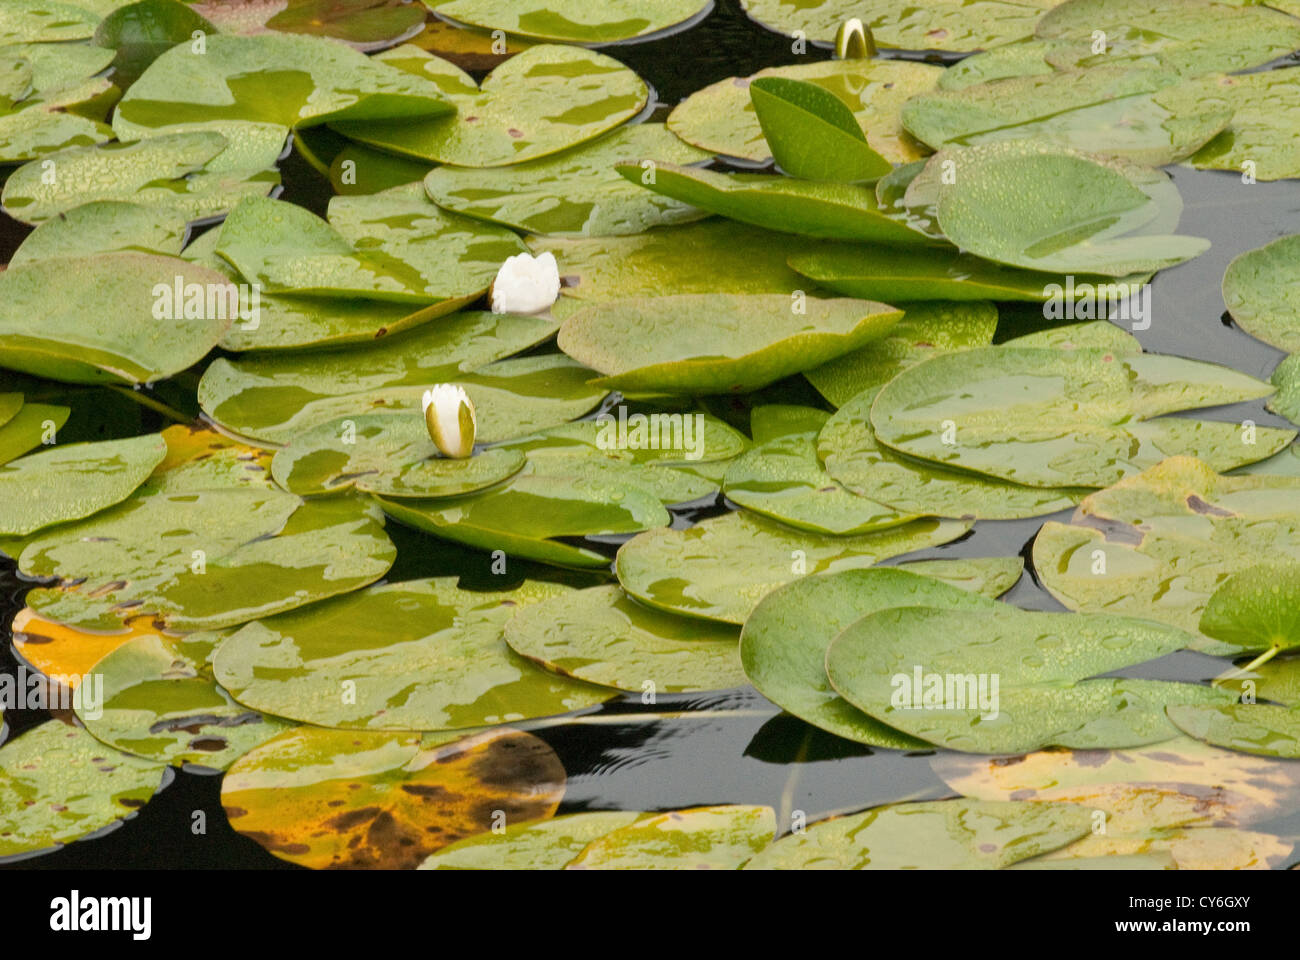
[
  {"x": 449, "y": 415},
  {"x": 526, "y": 284}
]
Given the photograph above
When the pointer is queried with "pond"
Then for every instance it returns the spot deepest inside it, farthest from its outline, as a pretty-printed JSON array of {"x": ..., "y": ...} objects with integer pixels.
[{"x": 1175, "y": 797}]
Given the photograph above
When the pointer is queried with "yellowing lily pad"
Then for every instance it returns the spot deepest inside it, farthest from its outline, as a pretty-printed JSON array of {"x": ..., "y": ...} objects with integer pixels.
[
  {"x": 73, "y": 481},
  {"x": 418, "y": 655},
  {"x": 58, "y": 783},
  {"x": 701, "y": 838},
  {"x": 542, "y": 100},
  {"x": 722, "y": 567},
  {"x": 721, "y": 118},
  {"x": 1265, "y": 730},
  {"x": 602, "y": 636},
  {"x": 573, "y": 21},
  {"x": 1054, "y": 418},
  {"x": 955, "y": 834},
  {"x": 534, "y": 845},
  {"x": 161, "y": 703},
  {"x": 717, "y": 344},
  {"x": 342, "y": 799},
  {"x": 576, "y": 192},
  {"x": 364, "y": 24}
]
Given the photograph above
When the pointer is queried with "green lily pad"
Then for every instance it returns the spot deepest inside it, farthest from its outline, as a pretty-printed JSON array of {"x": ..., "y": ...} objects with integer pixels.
[
  {"x": 534, "y": 845},
  {"x": 721, "y": 117},
  {"x": 394, "y": 246},
  {"x": 722, "y": 567},
  {"x": 813, "y": 133},
  {"x": 10, "y": 404},
  {"x": 1062, "y": 218},
  {"x": 30, "y": 427},
  {"x": 45, "y": 21},
  {"x": 1019, "y": 58},
  {"x": 94, "y": 319},
  {"x": 1260, "y": 289},
  {"x": 419, "y": 655},
  {"x": 1054, "y": 418},
  {"x": 1256, "y": 609},
  {"x": 602, "y": 636},
  {"x": 344, "y": 799},
  {"x": 529, "y": 516},
  {"x": 774, "y": 421},
  {"x": 855, "y": 458},
  {"x": 717, "y": 344},
  {"x": 784, "y": 480},
  {"x": 1286, "y": 379},
  {"x": 574, "y": 193},
  {"x": 237, "y": 547},
  {"x": 364, "y": 24},
  {"x": 51, "y": 98},
  {"x": 955, "y": 25},
  {"x": 573, "y": 21},
  {"x": 1158, "y": 544},
  {"x": 784, "y": 641},
  {"x": 389, "y": 455},
  {"x": 68, "y": 483},
  {"x": 1260, "y": 140},
  {"x": 266, "y": 85},
  {"x": 357, "y": 169},
  {"x": 1279, "y": 680},
  {"x": 58, "y": 783},
  {"x": 542, "y": 100},
  {"x": 143, "y": 31},
  {"x": 175, "y": 172},
  {"x": 1007, "y": 681},
  {"x": 1109, "y": 110},
  {"x": 927, "y": 328},
  {"x": 837, "y": 211},
  {"x": 1194, "y": 36},
  {"x": 104, "y": 226},
  {"x": 54, "y": 69},
  {"x": 713, "y": 256},
  {"x": 701, "y": 838},
  {"x": 1260, "y": 729},
  {"x": 161, "y": 703},
  {"x": 274, "y": 397},
  {"x": 958, "y": 834}
]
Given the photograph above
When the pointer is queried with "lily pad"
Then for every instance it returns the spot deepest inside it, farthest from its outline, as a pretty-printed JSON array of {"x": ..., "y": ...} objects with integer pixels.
[
  {"x": 1286, "y": 379},
  {"x": 713, "y": 256},
  {"x": 1260, "y": 288},
  {"x": 104, "y": 226},
  {"x": 927, "y": 328},
  {"x": 264, "y": 86},
  {"x": 67, "y": 654},
  {"x": 1053, "y": 418},
  {"x": 784, "y": 641},
  {"x": 50, "y": 98},
  {"x": 721, "y": 118},
  {"x": 701, "y": 838},
  {"x": 58, "y": 783},
  {"x": 277, "y": 396},
  {"x": 530, "y": 517},
  {"x": 722, "y": 567},
  {"x": 955, "y": 834},
  {"x": 418, "y": 655},
  {"x": 161, "y": 703},
  {"x": 1158, "y": 544},
  {"x": 813, "y": 133},
  {"x": 542, "y": 100},
  {"x": 141, "y": 32},
  {"x": 389, "y": 455},
  {"x": 1257, "y": 608},
  {"x": 1007, "y": 681},
  {"x": 1019, "y": 58},
  {"x": 1109, "y": 110},
  {"x": 174, "y": 172},
  {"x": 341, "y": 799},
  {"x": 717, "y": 344},
  {"x": 95, "y": 319},
  {"x": 393, "y": 246},
  {"x": 602, "y": 636},
  {"x": 356, "y": 169},
  {"x": 364, "y": 24},
  {"x": 237, "y": 547},
  {"x": 73, "y": 481},
  {"x": 45, "y": 21},
  {"x": 536, "y": 845},
  {"x": 837, "y": 211},
  {"x": 1260, "y": 729},
  {"x": 29, "y": 428},
  {"x": 1190, "y": 848},
  {"x": 576, "y": 192},
  {"x": 1261, "y": 138},
  {"x": 573, "y": 21}
]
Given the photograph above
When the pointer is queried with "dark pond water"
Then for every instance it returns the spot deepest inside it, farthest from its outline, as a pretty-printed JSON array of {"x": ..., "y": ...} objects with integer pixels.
[{"x": 732, "y": 746}]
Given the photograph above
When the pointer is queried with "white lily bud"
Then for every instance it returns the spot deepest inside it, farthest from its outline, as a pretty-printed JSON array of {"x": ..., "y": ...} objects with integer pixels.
[
  {"x": 449, "y": 415},
  {"x": 526, "y": 284}
]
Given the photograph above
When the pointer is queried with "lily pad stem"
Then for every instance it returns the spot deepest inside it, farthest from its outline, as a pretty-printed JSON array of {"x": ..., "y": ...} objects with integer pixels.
[
  {"x": 156, "y": 405},
  {"x": 1262, "y": 659}
]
